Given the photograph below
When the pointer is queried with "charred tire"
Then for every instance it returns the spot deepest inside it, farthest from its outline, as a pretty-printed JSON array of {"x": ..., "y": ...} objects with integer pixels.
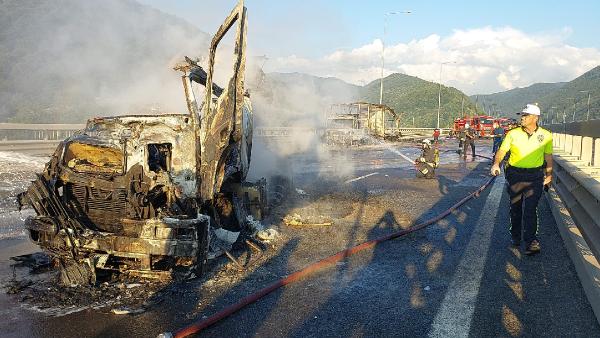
[{"x": 74, "y": 273}]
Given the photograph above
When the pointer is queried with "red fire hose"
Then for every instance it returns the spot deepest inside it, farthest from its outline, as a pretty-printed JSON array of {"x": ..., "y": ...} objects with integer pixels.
[{"x": 329, "y": 261}]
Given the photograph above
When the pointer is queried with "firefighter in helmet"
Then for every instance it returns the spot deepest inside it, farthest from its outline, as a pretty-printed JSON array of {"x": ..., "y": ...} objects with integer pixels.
[{"x": 428, "y": 161}]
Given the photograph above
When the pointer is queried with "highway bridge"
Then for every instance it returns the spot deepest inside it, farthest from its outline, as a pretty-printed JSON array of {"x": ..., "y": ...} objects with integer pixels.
[{"x": 456, "y": 279}]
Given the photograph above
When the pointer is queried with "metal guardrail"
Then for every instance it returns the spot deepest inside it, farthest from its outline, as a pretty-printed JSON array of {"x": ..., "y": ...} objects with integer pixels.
[
  {"x": 577, "y": 182},
  {"x": 42, "y": 146},
  {"x": 45, "y": 137},
  {"x": 41, "y": 126},
  {"x": 575, "y": 200},
  {"x": 25, "y": 132}
]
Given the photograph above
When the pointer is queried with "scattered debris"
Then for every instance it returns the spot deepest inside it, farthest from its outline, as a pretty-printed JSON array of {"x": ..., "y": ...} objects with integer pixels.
[
  {"x": 127, "y": 311},
  {"x": 296, "y": 220},
  {"x": 267, "y": 234},
  {"x": 253, "y": 225},
  {"x": 301, "y": 192},
  {"x": 37, "y": 262}
]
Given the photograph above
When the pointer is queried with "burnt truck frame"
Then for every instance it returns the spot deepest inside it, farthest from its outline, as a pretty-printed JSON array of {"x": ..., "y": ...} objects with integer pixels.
[{"x": 139, "y": 194}]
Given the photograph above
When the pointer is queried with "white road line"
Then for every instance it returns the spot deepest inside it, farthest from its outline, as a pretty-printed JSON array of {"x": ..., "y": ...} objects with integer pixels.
[
  {"x": 361, "y": 177},
  {"x": 456, "y": 311},
  {"x": 397, "y": 152}
]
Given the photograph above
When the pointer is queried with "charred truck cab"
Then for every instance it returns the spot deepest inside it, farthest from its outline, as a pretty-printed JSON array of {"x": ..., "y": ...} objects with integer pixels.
[{"x": 141, "y": 194}]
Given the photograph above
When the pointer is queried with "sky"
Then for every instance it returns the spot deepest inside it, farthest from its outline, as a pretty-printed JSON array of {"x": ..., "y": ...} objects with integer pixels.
[{"x": 479, "y": 47}]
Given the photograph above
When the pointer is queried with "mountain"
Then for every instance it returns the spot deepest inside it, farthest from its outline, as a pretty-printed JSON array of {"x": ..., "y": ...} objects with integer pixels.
[
  {"x": 512, "y": 101},
  {"x": 417, "y": 99},
  {"x": 558, "y": 101},
  {"x": 66, "y": 60},
  {"x": 571, "y": 100}
]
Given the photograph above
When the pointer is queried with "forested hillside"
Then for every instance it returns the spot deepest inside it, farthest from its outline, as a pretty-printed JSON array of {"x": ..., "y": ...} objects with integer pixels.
[
  {"x": 418, "y": 99},
  {"x": 563, "y": 100}
]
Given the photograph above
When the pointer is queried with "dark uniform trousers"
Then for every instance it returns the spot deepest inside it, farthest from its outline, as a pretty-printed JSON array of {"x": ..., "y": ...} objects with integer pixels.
[
  {"x": 469, "y": 143},
  {"x": 525, "y": 188}
]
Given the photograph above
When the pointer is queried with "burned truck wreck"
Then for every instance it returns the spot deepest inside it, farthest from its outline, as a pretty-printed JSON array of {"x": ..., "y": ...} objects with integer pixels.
[{"x": 139, "y": 194}]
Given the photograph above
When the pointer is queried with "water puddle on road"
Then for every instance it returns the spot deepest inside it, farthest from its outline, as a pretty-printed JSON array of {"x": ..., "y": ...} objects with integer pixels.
[{"x": 16, "y": 173}]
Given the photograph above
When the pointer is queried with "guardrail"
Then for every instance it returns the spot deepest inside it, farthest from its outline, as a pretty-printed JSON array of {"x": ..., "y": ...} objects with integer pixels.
[
  {"x": 33, "y": 131},
  {"x": 29, "y": 146},
  {"x": 575, "y": 200},
  {"x": 45, "y": 137},
  {"x": 577, "y": 182}
]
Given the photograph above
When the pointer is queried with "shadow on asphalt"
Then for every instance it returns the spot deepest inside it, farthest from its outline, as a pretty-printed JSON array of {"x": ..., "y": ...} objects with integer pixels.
[{"x": 398, "y": 289}]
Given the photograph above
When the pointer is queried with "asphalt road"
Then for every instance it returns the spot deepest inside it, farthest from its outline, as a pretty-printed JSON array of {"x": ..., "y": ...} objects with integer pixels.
[{"x": 458, "y": 277}]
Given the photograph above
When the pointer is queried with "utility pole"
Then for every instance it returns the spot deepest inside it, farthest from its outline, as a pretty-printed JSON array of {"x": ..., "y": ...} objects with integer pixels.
[
  {"x": 588, "y": 103},
  {"x": 440, "y": 93},
  {"x": 574, "y": 108}
]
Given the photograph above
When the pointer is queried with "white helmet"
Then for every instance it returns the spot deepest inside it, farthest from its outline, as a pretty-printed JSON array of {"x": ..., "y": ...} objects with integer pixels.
[
  {"x": 427, "y": 142},
  {"x": 467, "y": 125}
]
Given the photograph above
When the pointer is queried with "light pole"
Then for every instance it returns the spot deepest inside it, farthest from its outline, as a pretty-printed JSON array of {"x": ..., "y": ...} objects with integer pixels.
[
  {"x": 440, "y": 93},
  {"x": 383, "y": 51},
  {"x": 588, "y": 110},
  {"x": 574, "y": 107},
  {"x": 557, "y": 119}
]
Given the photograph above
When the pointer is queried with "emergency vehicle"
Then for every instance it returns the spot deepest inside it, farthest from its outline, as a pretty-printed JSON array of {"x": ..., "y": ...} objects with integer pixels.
[
  {"x": 506, "y": 123},
  {"x": 483, "y": 125},
  {"x": 459, "y": 124}
]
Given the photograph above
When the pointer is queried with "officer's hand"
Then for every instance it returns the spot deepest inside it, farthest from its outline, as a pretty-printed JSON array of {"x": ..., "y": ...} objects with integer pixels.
[
  {"x": 495, "y": 170},
  {"x": 547, "y": 180}
]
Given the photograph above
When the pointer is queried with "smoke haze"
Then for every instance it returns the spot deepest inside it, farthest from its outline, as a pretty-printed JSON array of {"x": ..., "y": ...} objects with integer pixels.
[{"x": 66, "y": 60}]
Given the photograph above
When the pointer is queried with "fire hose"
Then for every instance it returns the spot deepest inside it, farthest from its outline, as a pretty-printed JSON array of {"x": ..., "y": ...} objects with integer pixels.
[{"x": 327, "y": 262}]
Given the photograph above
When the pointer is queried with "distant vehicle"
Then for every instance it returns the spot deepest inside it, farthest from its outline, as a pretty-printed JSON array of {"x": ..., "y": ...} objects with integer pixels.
[
  {"x": 459, "y": 124},
  {"x": 483, "y": 125},
  {"x": 506, "y": 123}
]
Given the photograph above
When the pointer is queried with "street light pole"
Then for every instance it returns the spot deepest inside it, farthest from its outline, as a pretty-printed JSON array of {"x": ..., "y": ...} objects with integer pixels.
[
  {"x": 383, "y": 51},
  {"x": 440, "y": 93},
  {"x": 588, "y": 103},
  {"x": 574, "y": 107}
]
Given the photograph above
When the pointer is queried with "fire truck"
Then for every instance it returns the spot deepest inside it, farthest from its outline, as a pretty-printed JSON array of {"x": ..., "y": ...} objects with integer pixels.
[
  {"x": 459, "y": 124},
  {"x": 483, "y": 125},
  {"x": 506, "y": 123}
]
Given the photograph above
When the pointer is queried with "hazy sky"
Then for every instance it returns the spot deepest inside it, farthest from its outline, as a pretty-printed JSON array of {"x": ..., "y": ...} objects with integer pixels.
[{"x": 495, "y": 46}]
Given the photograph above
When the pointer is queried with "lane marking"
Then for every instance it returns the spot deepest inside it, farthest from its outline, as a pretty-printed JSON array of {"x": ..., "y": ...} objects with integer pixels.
[{"x": 456, "y": 311}]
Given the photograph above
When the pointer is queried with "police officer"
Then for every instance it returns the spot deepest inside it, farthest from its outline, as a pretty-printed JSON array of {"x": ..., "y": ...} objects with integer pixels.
[
  {"x": 428, "y": 161},
  {"x": 528, "y": 171}
]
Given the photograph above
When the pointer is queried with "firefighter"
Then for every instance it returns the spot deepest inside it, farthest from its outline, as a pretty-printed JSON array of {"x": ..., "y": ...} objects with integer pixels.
[
  {"x": 528, "y": 172},
  {"x": 436, "y": 135},
  {"x": 469, "y": 140},
  {"x": 498, "y": 134},
  {"x": 428, "y": 161},
  {"x": 461, "y": 140}
]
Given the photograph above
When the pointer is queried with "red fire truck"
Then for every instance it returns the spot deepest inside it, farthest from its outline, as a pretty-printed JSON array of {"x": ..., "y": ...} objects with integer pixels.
[
  {"x": 506, "y": 123},
  {"x": 459, "y": 124},
  {"x": 482, "y": 125}
]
